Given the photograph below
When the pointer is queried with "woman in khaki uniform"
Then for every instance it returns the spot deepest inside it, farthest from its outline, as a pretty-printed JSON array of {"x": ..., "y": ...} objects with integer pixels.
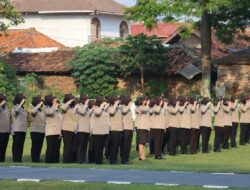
[
  {"x": 19, "y": 127},
  {"x": 91, "y": 156},
  {"x": 244, "y": 119},
  {"x": 166, "y": 133},
  {"x": 4, "y": 127},
  {"x": 218, "y": 124},
  {"x": 151, "y": 124},
  {"x": 128, "y": 129},
  {"x": 185, "y": 124},
  {"x": 174, "y": 124},
  {"x": 205, "y": 122},
  {"x": 143, "y": 128},
  {"x": 248, "y": 118},
  {"x": 195, "y": 124},
  {"x": 235, "y": 120},
  {"x": 83, "y": 130},
  {"x": 158, "y": 129},
  {"x": 227, "y": 120},
  {"x": 37, "y": 128},
  {"x": 69, "y": 128},
  {"x": 53, "y": 119},
  {"x": 116, "y": 128},
  {"x": 99, "y": 128}
]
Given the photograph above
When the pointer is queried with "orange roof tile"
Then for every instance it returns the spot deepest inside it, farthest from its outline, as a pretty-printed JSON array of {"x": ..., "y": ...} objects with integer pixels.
[
  {"x": 52, "y": 62},
  {"x": 25, "y": 38},
  {"x": 165, "y": 31}
]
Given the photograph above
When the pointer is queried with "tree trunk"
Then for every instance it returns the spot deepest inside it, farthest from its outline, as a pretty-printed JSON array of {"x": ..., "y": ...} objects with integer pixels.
[
  {"x": 142, "y": 79},
  {"x": 206, "y": 53}
]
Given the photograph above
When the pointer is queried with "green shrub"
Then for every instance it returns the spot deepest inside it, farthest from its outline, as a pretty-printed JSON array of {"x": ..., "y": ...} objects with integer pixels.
[
  {"x": 95, "y": 69},
  {"x": 8, "y": 81}
]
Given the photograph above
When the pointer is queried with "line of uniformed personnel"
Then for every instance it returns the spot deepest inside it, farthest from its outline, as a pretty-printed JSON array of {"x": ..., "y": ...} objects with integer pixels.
[{"x": 88, "y": 127}]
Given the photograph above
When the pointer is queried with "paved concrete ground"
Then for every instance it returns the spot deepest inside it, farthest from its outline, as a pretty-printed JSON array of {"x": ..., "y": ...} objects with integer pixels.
[{"x": 213, "y": 180}]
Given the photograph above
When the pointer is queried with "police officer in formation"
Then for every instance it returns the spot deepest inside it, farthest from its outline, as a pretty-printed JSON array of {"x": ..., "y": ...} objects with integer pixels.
[{"x": 88, "y": 128}]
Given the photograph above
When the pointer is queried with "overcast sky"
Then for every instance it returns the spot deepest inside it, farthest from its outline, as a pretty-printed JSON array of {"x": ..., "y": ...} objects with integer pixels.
[{"x": 127, "y": 2}]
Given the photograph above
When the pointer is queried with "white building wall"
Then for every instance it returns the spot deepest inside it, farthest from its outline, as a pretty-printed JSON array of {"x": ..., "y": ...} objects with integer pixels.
[
  {"x": 69, "y": 29},
  {"x": 110, "y": 25},
  {"x": 72, "y": 30}
]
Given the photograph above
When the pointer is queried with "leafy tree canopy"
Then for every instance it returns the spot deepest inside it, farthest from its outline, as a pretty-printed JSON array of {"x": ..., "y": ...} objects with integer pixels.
[
  {"x": 227, "y": 16},
  {"x": 9, "y": 14},
  {"x": 141, "y": 52}
]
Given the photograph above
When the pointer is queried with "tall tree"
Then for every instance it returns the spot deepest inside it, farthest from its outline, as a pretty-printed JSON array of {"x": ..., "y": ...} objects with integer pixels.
[
  {"x": 141, "y": 52},
  {"x": 10, "y": 16},
  {"x": 227, "y": 17}
]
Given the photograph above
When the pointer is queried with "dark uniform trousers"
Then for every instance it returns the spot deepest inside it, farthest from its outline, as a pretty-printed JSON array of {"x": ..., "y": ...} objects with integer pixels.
[
  {"x": 165, "y": 141},
  {"x": 4, "y": 139},
  {"x": 115, "y": 141},
  {"x": 107, "y": 146},
  {"x": 243, "y": 133},
  {"x": 17, "y": 147},
  {"x": 157, "y": 136},
  {"x": 52, "y": 154},
  {"x": 36, "y": 145},
  {"x": 98, "y": 147},
  {"x": 69, "y": 148},
  {"x": 234, "y": 135},
  {"x": 199, "y": 137},
  {"x": 127, "y": 137},
  {"x": 151, "y": 142},
  {"x": 91, "y": 151},
  {"x": 248, "y": 134},
  {"x": 226, "y": 136},
  {"x": 194, "y": 134},
  {"x": 137, "y": 140},
  {"x": 218, "y": 139},
  {"x": 205, "y": 133},
  {"x": 173, "y": 138},
  {"x": 82, "y": 140},
  {"x": 184, "y": 138}
]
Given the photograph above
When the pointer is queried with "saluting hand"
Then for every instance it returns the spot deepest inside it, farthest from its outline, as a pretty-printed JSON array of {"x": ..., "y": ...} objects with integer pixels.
[
  {"x": 71, "y": 101},
  {"x": 161, "y": 103},
  {"x": 55, "y": 104},
  {"x": 3, "y": 103},
  {"x": 22, "y": 102},
  {"x": 40, "y": 104},
  {"x": 87, "y": 102}
]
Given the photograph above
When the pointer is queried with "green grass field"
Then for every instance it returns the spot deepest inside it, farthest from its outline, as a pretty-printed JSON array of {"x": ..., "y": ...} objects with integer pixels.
[
  {"x": 232, "y": 160},
  {"x": 11, "y": 185}
]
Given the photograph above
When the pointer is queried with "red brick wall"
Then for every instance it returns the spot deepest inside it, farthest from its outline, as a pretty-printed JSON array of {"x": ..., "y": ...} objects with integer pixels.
[
  {"x": 64, "y": 83},
  {"x": 176, "y": 85},
  {"x": 235, "y": 77}
]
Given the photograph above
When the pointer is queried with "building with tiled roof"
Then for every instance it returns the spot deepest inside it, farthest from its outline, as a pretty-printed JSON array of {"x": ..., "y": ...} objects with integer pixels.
[
  {"x": 170, "y": 34},
  {"x": 74, "y": 22},
  {"x": 43, "y": 62},
  {"x": 233, "y": 72},
  {"x": 65, "y": 6},
  {"x": 165, "y": 31},
  {"x": 184, "y": 57},
  {"x": 25, "y": 38},
  {"x": 52, "y": 67}
]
